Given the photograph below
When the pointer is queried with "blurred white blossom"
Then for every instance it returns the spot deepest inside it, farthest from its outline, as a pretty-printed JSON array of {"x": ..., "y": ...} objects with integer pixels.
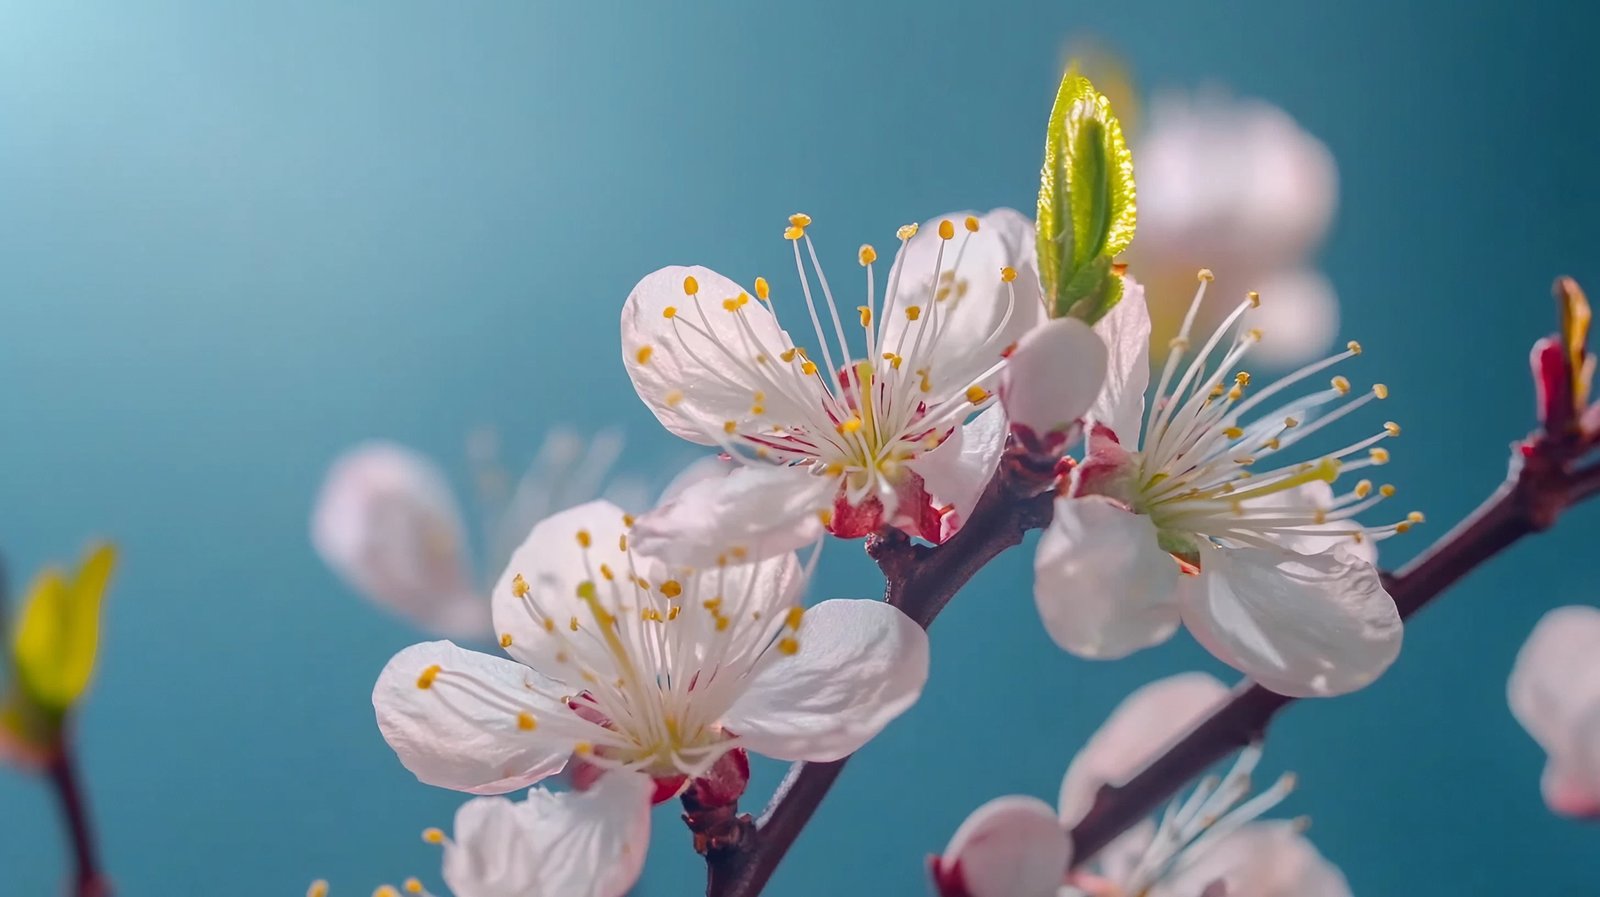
[
  {"x": 891, "y": 432},
  {"x": 1191, "y": 515},
  {"x": 388, "y": 523},
  {"x": 1210, "y": 843},
  {"x": 1554, "y": 691},
  {"x": 1236, "y": 185}
]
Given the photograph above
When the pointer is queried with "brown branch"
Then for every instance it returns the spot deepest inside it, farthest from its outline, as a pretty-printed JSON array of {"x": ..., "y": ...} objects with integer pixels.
[
  {"x": 919, "y": 581},
  {"x": 1537, "y": 488}
]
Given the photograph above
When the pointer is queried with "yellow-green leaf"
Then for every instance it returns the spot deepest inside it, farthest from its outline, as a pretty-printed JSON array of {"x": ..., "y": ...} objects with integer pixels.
[
  {"x": 58, "y": 635},
  {"x": 1087, "y": 209}
]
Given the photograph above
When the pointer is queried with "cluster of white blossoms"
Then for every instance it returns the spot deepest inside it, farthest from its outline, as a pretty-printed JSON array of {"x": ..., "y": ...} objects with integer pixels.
[
  {"x": 648, "y": 654},
  {"x": 1212, "y": 843}
]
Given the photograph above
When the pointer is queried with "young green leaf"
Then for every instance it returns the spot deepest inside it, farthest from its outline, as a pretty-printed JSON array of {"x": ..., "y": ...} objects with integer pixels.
[
  {"x": 58, "y": 635},
  {"x": 1087, "y": 211}
]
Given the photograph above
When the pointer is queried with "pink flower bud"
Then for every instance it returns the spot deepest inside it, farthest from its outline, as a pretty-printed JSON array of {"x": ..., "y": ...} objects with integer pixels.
[{"x": 1050, "y": 381}]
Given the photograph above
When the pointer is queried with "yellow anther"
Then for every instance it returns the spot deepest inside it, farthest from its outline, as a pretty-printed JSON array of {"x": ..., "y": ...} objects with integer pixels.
[
  {"x": 519, "y": 586},
  {"x": 946, "y": 230},
  {"x": 723, "y": 623},
  {"x": 1363, "y": 489},
  {"x": 758, "y": 409},
  {"x": 808, "y": 368},
  {"x": 712, "y": 604},
  {"x": 643, "y": 355},
  {"x": 729, "y": 426},
  {"x": 549, "y": 624},
  {"x": 1386, "y": 490},
  {"x": 1205, "y": 274},
  {"x": 924, "y": 384},
  {"x": 583, "y": 749},
  {"x": 672, "y": 613},
  {"x": 412, "y": 886},
  {"x": 826, "y": 516},
  {"x": 1354, "y": 347},
  {"x": 1379, "y": 390},
  {"x": 850, "y": 426},
  {"x": 671, "y": 311},
  {"x": 671, "y": 588},
  {"x": 1321, "y": 516},
  {"x": 1274, "y": 443},
  {"x": 505, "y": 639},
  {"x": 425, "y": 681},
  {"x": 906, "y": 231},
  {"x": 433, "y": 836},
  {"x": 1254, "y": 334},
  {"x": 972, "y": 223},
  {"x": 1254, "y": 298},
  {"x": 1402, "y": 527},
  {"x": 319, "y": 888},
  {"x": 763, "y": 291},
  {"x": 788, "y": 646},
  {"x": 788, "y": 355},
  {"x": 1233, "y": 432},
  {"x": 866, "y": 315},
  {"x": 1379, "y": 455},
  {"x": 793, "y": 233},
  {"x": 526, "y": 722},
  {"x": 913, "y": 312},
  {"x": 1341, "y": 384},
  {"x": 977, "y": 395},
  {"x": 1008, "y": 274},
  {"x": 584, "y": 539},
  {"x": 572, "y": 624},
  {"x": 739, "y": 552},
  {"x": 606, "y": 573},
  {"x": 866, "y": 254},
  {"x": 893, "y": 359},
  {"x": 1415, "y": 517},
  {"x": 792, "y": 618},
  {"x": 1216, "y": 391},
  {"x": 622, "y": 542},
  {"x": 627, "y": 520},
  {"x": 690, "y": 285},
  {"x": 800, "y": 219},
  {"x": 1391, "y": 428},
  {"x": 731, "y": 304},
  {"x": 385, "y": 891},
  {"x": 1290, "y": 423}
]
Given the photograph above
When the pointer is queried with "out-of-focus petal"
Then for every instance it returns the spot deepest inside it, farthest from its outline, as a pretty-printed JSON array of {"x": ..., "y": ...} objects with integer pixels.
[
  {"x": 1298, "y": 316},
  {"x": 1103, "y": 585},
  {"x": 858, "y": 665},
  {"x": 1009, "y": 847},
  {"x": 1301, "y": 625},
  {"x": 1261, "y": 859},
  {"x": 1554, "y": 692},
  {"x": 1140, "y": 728},
  {"x": 387, "y": 523},
  {"x": 574, "y": 844}
]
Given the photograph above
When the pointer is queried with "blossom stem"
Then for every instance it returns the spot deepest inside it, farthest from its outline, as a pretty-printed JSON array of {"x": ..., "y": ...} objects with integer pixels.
[
  {"x": 62, "y": 772},
  {"x": 920, "y": 581}
]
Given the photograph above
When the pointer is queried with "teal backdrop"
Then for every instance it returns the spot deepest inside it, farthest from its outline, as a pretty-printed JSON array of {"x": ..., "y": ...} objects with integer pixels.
[{"x": 236, "y": 238}]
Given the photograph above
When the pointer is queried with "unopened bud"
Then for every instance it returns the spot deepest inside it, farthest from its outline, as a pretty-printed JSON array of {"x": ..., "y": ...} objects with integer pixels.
[
  {"x": 1051, "y": 380},
  {"x": 1010, "y": 846}
]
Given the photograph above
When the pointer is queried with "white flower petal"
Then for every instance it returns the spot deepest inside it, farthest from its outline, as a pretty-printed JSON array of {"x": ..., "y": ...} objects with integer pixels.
[
  {"x": 464, "y": 734},
  {"x": 1140, "y": 728},
  {"x": 1298, "y": 316},
  {"x": 1010, "y": 847},
  {"x": 762, "y": 510},
  {"x": 1554, "y": 692},
  {"x": 1103, "y": 585},
  {"x": 860, "y": 664},
  {"x": 1261, "y": 859},
  {"x": 1231, "y": 181},
  {"x": 969, "y": 339},
  {"x": 553, "y": 563},
  {"x": 1125, "y": 330},
  {"x": 1317, "y": 538},
  {"x": 956, "y": 472},
  {"x": 386, "y": 521},
  {"x": 710, "y": 467},
  {"x": 574, "y": 844},
  {"x": 1300, "y": 625},
  {"x": 1053, "y": 377},
  {"x": 694, "y": 370}
]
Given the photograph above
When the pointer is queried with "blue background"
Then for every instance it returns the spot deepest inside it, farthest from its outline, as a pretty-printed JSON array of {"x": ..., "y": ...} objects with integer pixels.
[{"x": 235, "y": 238}]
